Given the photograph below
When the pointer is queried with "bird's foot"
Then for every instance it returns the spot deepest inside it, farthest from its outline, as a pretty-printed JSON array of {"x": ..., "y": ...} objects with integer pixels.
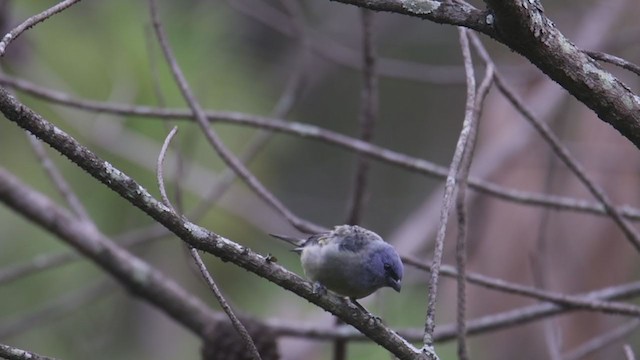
[
  {"x": 357, "y": 304},
  {"x": 319, "y": 289}
]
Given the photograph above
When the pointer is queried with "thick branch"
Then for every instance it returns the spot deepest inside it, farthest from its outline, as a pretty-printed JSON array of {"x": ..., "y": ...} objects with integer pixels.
[{"x": 523, "y": 26}]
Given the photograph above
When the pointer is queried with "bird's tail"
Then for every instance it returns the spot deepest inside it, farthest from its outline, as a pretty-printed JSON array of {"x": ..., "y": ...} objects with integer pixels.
[{"x": 291, "y": 240}]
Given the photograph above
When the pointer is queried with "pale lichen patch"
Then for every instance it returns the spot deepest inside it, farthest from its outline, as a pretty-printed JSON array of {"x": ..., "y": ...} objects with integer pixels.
[
  {"x": 304, "y": 129},
  {"x": 141, "y": 271},
  {"x": 421, "y": 7},
  {"x": 196, "y": 231}
]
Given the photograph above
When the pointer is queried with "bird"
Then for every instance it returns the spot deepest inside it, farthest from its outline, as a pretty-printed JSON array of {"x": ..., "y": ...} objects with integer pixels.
[{"x": 349, "y": 260}]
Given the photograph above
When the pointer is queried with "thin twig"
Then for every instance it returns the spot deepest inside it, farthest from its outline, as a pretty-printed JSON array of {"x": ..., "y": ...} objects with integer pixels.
[
  {"x": 564, "y": 300},
  {"x": 628, "y": 352},
  {"x": 214, "y": 140},
  {"x": 602, "y": 341},
  {"x": 141, "y": 236},
  {"x": 159, "y": 168},
  {"x": 471, "y": 112},
  {"x": 38, "y": 18},
  {"x": 138, "y": 276},
  {"x": 13, "y": 353},
  {"x": 368, "y": 116},
  {"x": 58, "y": 180},
  {"x": 313, "y": 132},
  {"x": 242, "y": 331},
  {"x": 447, "y": 201},
  {"x": 628, "y": 65},
  {"x": 325, "y": 47},
  {"x": 562, "y": 152},
  {"x": 478, "y": 326}
]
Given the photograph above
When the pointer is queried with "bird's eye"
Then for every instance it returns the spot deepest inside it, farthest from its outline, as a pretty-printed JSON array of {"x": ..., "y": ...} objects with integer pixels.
[{"x": 390, "y": 271}]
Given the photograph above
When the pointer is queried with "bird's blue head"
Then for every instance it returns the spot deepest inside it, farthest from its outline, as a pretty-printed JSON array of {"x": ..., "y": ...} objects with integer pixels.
[{"x": 385, "y": 267}]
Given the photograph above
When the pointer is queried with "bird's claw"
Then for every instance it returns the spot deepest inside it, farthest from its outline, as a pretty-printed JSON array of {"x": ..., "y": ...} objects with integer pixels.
[
  {"x": 357, "y": 304},
  {"x": 319, "y": 289}
]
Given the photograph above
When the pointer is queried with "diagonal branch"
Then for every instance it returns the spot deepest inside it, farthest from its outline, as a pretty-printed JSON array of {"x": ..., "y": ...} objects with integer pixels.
[
  {"x": 196, "y": 236},
  {"x": 242, "y": 331},
  {"x": 32, "y": 21},
  {"x": 523, "y": 26}
]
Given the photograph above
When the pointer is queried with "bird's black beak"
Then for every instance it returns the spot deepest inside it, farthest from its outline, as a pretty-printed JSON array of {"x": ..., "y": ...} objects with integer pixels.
[{"x": 395, "y": 285}]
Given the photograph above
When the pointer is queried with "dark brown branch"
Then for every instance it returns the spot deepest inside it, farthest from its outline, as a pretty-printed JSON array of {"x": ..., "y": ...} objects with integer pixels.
[{"x": 523, "y": 26}]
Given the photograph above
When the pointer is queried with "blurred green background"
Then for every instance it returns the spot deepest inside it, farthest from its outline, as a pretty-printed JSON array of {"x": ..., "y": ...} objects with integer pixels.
[{"x": 234, "y": 61}]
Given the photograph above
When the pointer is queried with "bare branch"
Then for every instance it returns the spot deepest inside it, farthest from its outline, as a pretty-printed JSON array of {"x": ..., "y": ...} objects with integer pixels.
[
  {"x": 563, "y": 153},
  {"x": 37, "y": 264},
  {"x": 447, "y": 201},
  {"x": 229, "y": 158},
  {"x": 478, "y": 326},
  {"x": 198, "y": 237},
  {"x": 244, "y": 334},
  {"x": 368, "y": 117},
  {"x": 242, "y": 331},
  {"x": 58, "y": 180},
  {"x": 159, "y": 168},
  {"x": 12, "y": 353},
  {"x": 452, "y": 13},
  {"x": 628, "y": 352},
  {"x": 628, "y": 65},
  {"x": 471, "y": 112},
  {"x": 602, "y": 341},
  {"x": 523, "y": 26},
  {"x": 30, "y": 22},
  {"x": 564, "y": 300},
  {"x": 132, "y": 272},
  {"x": 313, "y": 132}
]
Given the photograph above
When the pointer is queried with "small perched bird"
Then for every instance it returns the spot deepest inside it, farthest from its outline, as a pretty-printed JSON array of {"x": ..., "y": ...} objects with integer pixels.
[{"x": 349, "y": 260}]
